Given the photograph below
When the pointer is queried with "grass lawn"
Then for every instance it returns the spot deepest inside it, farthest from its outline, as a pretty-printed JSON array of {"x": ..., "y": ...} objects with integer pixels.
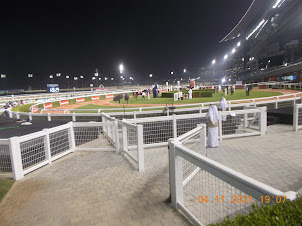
[
  {"x": 5, "y": 185},
  {"x": 238, "y": 95}
]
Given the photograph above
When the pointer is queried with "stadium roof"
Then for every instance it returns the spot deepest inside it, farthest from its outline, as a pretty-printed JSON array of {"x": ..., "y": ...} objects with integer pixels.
[{"x": 254, "y": 17}]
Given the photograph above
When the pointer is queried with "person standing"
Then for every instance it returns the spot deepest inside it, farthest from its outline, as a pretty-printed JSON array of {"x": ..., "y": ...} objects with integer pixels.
[
  {"x": 247, "y": 90},
  {"x": 143, "y": 95},
  {"x": 212, "y": 117},
  {"x": 232, "y": 90},
  {"x": 190, "y": 93},
  {"x": 223, "y": 105}
]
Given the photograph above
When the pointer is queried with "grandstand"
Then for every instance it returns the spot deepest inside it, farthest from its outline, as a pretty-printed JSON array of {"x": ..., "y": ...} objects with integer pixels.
[{"x": 270, "y": 37}]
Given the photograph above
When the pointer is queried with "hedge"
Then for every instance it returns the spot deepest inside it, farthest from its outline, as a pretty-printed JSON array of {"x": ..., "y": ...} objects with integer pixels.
[
  {"x": 204, "y": 90},
  {"x": 287, "y": 213},
  {"x": 202, "y": 94}
]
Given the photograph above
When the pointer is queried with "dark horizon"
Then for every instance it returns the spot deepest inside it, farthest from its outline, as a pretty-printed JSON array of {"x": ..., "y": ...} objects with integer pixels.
[{"x": 149, "y": 37}]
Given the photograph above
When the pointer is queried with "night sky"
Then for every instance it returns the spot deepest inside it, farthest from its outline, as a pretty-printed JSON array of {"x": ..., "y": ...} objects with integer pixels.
[{"x": 75, "y": 38}]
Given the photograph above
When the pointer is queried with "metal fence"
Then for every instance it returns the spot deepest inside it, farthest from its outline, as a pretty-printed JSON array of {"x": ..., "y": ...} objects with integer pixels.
[
  {"x": 297, "y": 120},
  {"x": 206, "y": 191},
  {"x": 157, "y": 130},
  {"x": 22, "y": 155},
  {"x": 5, "y": 163}
]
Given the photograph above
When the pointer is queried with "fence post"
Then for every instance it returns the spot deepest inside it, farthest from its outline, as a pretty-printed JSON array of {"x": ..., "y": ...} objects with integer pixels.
[
  {"x": 220, "y": 125},
  {"x": 117, "y": 140},
  {"x": 276, "y": 103},
  {"x": 245, "y": 120},
  {"x": 140, "y": 147},
  {"x": 295, "y": 117},
  {"x": 200, "y": 111},
  {"x": 230, "y": 106},
  {"x": 17, "y": 115},
  {"x": 263, "y": 120},
  {"x": 125, "y": 137},
  {"x": 203, "y": 138},
  {"x": 48, "y": 117},
  {"x": 134, "y": 115},
  {"x": 168, "y": 112},
  {"x": 174, "y": 126},
  {"x": 73, "y": 117},
  {"x": 47, "y": 146},
  {"x": 16, "y": 159},
  {"x": 30, "y": 117},
  {"x": 176, "y": 183},
  {"x": 71, "y": 137}
]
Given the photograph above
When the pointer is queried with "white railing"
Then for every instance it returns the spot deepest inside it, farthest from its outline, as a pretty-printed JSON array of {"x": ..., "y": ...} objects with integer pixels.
[
  {"x": 142, "y": 112},
  {"x": 157, "y": 130},
  {"x": 22, "y": 155},
  {"x": 206, "y": 191},
  {"x": 297, "y": 117},
  {"x": 132, "y": 143}
]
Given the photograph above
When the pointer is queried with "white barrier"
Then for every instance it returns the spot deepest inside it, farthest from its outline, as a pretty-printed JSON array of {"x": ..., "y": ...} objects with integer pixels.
[
  {"x": 157, "y": 130},
  {"x": 206, "y": 191},
  {"x": 27, "y": 153},
  {"x": 297, "y": 117}
]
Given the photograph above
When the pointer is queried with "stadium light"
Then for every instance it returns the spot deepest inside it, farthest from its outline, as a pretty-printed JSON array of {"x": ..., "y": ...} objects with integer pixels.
[
  {"x": 106, "y": 78},
  {"x": 239, "y": 44},
  {"x": 3, "y": 76},
  {"x": 93, "y": 78},
  {"x": 214, "y": 61},
  {"x": 223, "y": 80},
  {"x": 58, "y": 74},
  {"x": 171, "y": 72},
  {"x": 149, "y": 76},
  {"x": 67, "y": 76},
  {"x": 256, "y": 28},
  {"x": 96, "y": 74},
  {"x": 81, "y": 76},
  {"x": 277, "y": 4},
  {"x": 75, "y": 78},
  {"x": 233, "y": 50},
  {"x": 111, "y": 79},
  {"x": 30, "y": 75},
  {"x": 225, "y": 56},
  {"x": 185, "y": 70},
  {"x": 121, "y": 68},
  {"x": 50, "y": 76}
]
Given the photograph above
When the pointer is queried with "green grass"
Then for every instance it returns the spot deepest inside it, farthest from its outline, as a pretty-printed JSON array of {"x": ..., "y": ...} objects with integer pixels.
[
  {"x": 22, "y": 108},
  {"x": 5, "y": 185},
  {"x": 287, "y": 213},
  {"x": 238, "y": 95}
]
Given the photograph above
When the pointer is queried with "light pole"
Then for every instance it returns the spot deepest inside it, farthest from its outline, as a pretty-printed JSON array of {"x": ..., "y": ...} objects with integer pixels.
[
  {"x": 96, "y": 74},
  {"x": 213, "y": 63},
  {"x": 30, "y": 76},
  {"x": 121, "y": 68},
  {"x": 82, "y": 77},
  {"x": 67, "y": 77},
  {"x": 58, "y": 75},
  {"x": 93, "y": 78},
  {"x": 51, "y": 78},
  {"x": 76, "y": 79}
]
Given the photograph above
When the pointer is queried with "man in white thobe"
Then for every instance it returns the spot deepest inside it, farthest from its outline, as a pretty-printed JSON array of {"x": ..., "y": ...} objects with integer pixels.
[
  {"x": 223, "y": 105},
  {"x": 190, "y": 93},
  {"x": 212, "y": 117}
]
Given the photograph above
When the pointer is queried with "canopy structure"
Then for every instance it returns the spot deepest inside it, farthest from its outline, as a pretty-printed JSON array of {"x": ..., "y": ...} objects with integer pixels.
[{"x": 258, "y": 11}]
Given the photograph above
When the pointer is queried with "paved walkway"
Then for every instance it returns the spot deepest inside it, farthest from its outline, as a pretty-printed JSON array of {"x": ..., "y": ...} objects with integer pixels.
[
  {"x": 94, "y": 188},
  {"x": 274, "y": 159}
]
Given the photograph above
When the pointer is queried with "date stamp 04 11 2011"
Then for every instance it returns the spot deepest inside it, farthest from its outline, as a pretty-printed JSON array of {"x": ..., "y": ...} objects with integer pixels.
[{"x": 242, "y": 199}]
